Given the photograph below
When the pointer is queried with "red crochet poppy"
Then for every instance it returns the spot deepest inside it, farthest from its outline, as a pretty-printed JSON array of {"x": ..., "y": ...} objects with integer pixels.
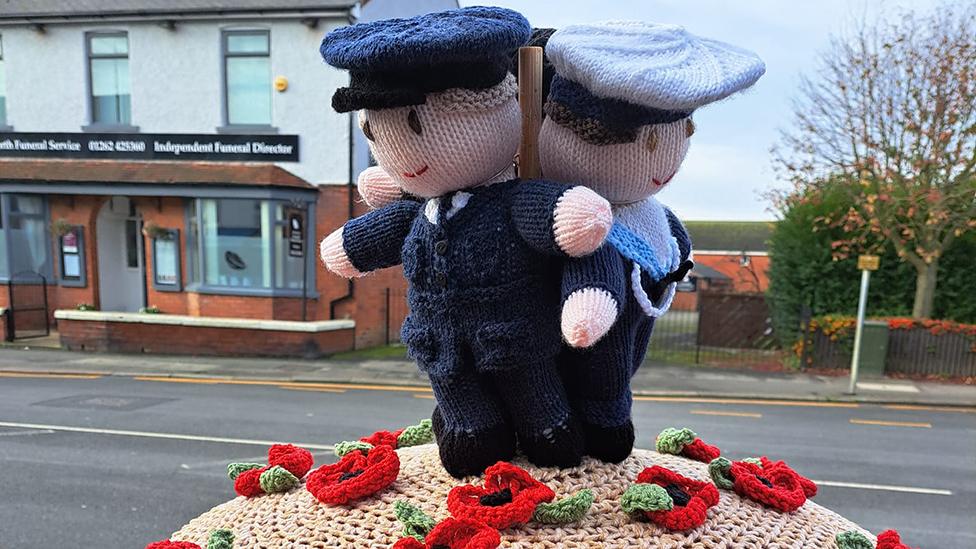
[
  {"x": 691, "y": 498},
  {"x": 248, "y": 483},
  {"x": 355, "y": 476},
  {"x": 454, "y": 533},
  {"x": 508, "y": 497},
  {"x": 295, "y": 460},
  {"x": 809, "y": 487},
  {"x": 166, "y": 544},
  {"x": 777, "y": 486},
  {"x": 699, "y": 450},
  {"x": 383, "y": 438},
  {"x": 889, "y": 539}
]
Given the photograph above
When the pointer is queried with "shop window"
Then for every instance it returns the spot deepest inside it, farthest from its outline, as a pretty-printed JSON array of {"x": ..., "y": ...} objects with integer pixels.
[
  {"x": 71, "y": 252},
  {"x": 25, "y": 241},
  {"x": 3, "y": 88},
  {"x": 247, "y": 78},
  {"x": 247, "y": 246},
  {"x": 108, "y": 65},
  {"x": 166, "y": 260}
]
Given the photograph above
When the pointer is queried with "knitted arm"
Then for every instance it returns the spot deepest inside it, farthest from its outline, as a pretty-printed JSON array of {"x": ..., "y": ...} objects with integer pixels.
[
  {"x": 370, "y": 242},
  {"x": 593, "y": 293},
  {"x": 559, "y": 219}
]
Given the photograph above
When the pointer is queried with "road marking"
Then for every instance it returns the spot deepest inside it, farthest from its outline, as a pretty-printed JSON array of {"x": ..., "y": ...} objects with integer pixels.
[
  {"x": 885, "y": 487},
  {"x": 30, "y": 432},
  {"x": 856, "y": 421},
  {"x": 756, "y": 402},
  {"x": 343, "y": 386},
  {"x": 49, "y": 376},
  {"x": 315, "y": 389},
  {"x": 721, "y": 413},
  {"x": 917, "y": 408},
  {"x": 430, "y": 397},
  {"x": 147, "y": 434}
]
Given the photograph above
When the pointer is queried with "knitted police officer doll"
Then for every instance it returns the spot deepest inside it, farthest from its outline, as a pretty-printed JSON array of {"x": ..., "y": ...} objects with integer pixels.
[
  {"x": 480, "y": 250},
  {"x": 619, "y": 121}
]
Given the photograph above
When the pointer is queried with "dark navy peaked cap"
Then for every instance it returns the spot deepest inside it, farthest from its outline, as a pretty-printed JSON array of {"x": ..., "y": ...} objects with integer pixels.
[{"x": 396, "y": 62}]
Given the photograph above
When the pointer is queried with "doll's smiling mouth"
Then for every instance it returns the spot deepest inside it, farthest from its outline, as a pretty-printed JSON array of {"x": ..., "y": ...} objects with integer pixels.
[
  {"x": 417, "y": 173},
  {"x": 660, "y": 183}
]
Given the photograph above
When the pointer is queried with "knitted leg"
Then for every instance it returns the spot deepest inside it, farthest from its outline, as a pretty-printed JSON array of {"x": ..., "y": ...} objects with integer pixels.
[
  {"x": 548, "y": 433},
  {"x": 469, "y": 424}
]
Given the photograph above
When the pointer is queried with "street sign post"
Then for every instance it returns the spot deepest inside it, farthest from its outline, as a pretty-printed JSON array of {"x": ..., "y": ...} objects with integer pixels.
[{"x": 866, "y": 263}]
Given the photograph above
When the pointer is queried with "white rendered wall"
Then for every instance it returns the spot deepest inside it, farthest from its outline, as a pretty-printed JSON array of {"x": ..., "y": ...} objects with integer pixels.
[{"x": 177, "y": 84}]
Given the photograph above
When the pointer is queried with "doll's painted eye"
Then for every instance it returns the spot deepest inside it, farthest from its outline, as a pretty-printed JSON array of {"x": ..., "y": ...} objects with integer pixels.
[
  {"x": 367, "y": 131},
  {"x": 689, "y": 127},
  {"x": 414, "y": 121},
  {"x": 652, "y": 140}
]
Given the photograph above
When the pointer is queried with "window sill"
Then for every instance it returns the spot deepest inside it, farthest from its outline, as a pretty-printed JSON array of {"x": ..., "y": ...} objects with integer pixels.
[
  {"x": 254, "y": 292},
  {"x": 110, "y": 128},
  {"x": 245, "y": 129}
]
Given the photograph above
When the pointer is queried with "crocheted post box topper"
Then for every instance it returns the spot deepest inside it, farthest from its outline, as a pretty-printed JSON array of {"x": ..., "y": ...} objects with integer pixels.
[
  {"x": 481, "y": 253},
  {"x": 619, "y": 121}
]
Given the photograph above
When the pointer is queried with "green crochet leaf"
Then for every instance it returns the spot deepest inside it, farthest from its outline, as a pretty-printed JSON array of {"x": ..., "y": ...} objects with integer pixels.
[
  {"x": 235, "y": 469},
  {"x": 719, "y": 471},
  {"x": 220, "y": 539},
  {"x": 277, "y": 479},
  {"x": 853, "y": 539},
  {"x": 346, "y": 446},
  {"x": 755, "y": 461},
  {"x": 673, "y": 441},
  {"x": 416, "y": 523},
  {"x": 646, "y": 497},
  {"x": 416, "y": 435},
  {"x": 566, "y": 510}
]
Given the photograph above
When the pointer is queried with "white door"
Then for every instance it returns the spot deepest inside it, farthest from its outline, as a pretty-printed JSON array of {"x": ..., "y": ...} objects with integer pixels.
[{"x": 120, "y": 256}]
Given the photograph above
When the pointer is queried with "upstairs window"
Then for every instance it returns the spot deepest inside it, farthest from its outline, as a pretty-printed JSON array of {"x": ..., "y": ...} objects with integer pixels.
[
  {"x": 3, "y": 88},
  {"x": 247, "y": 78},
  {"x": 108, "y": 60}
]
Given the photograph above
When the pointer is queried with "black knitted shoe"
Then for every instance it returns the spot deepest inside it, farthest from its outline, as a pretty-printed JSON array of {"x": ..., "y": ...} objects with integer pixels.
[
  {"x": 559, "y": 446},
  {"x": 464, "y": 453},
  {"x": 609, "y": 444}
]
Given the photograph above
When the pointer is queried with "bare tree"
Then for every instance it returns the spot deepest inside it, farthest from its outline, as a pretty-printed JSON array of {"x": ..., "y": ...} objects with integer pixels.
[{"x": 891, "y": 118}]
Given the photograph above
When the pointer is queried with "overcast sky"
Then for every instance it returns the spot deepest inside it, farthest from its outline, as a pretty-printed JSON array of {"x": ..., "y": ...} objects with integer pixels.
[{"x": 729, "y": 165}]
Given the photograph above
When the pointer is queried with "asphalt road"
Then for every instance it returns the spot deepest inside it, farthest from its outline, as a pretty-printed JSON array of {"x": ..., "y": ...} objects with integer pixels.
[{"x": 118, "y": 462}]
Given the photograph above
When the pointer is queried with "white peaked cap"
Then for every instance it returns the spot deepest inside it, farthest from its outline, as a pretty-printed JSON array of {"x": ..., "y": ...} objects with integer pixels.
[{"x": 658, "y": 66}]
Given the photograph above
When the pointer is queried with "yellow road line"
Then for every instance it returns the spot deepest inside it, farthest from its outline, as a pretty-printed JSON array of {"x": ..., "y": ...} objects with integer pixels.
[
  {"x": 757, "y": 402},
  {"x": 340, "y": 386},
  {"x": 721, "y": 413},
  {"x": 915, "y": 407},
  {"x": 431, "y": 397},
  {"x": 856, "y": 421},
  {"x": 48, "y": 376},
  {"x": 313, "y": 389}
]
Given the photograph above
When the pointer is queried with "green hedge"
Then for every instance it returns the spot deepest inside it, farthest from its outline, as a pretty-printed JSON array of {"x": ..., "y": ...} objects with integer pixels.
[{"x": 803, "y": 273}]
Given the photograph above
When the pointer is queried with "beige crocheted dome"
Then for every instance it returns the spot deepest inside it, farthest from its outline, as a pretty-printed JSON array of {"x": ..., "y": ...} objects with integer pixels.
[{"x": 296, "y": 519}]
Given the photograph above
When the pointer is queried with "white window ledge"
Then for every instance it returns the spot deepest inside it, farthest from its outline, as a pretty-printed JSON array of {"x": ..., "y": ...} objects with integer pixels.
[{"x": 207, "y": 321}]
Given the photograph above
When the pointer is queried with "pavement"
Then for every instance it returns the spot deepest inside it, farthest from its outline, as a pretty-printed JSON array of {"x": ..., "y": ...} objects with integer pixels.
[
  {"x": 651, "y": 380},
  {"x": 93, "y": 460}
]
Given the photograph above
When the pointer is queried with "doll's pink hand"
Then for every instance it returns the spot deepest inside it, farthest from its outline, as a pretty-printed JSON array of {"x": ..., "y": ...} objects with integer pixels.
[
  {"x": 587, "y": 316},
  {"x": 581, "y": 221},
  {"x": 334, "y": 256},
  {"x": 377, "y": 187}
]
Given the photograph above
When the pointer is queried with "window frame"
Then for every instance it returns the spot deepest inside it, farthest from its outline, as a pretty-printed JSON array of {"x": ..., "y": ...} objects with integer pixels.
[
  {"x": 81, "y": 281},
  {"x": 195, "y": 281},
  {"x": 92, "y": 125},
  {"x": 4, "y": 121},
  {"x": 8, "y": 217},
  {"x": 177, "y": 286},
  {"x": 225, "y": 54}
]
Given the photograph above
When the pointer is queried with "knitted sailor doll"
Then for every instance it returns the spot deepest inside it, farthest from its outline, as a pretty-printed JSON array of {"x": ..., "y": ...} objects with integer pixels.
[
  {"x": 619, "y": 121},
  {"x": 480, "y": 250}
]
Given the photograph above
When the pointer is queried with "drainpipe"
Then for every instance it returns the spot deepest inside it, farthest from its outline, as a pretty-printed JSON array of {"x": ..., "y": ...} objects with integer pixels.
[{"x": 350, "y": 189}]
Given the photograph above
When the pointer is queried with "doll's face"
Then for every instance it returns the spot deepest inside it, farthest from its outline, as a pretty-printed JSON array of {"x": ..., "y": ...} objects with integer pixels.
[
  {"x": 458, "y": 139},
  {"x": 621, "y": 173}
]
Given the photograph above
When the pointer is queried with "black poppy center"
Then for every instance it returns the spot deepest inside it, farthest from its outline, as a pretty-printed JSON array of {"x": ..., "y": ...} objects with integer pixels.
[
  {"x": 765, "y": 481},
  {"x": 678, "y": 496},
  {"x": 351, "y": 474},
  {"x": 496, "y": 499}
]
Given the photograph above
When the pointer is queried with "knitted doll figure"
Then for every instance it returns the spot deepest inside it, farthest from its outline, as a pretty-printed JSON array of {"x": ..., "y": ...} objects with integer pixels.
[
  {"x": 480, "y": 250},
  {"x": 619, "y": 121}
]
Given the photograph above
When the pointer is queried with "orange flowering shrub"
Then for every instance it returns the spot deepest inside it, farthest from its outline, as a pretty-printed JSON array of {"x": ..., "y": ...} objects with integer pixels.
[{"x": 841, "y": 329}]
